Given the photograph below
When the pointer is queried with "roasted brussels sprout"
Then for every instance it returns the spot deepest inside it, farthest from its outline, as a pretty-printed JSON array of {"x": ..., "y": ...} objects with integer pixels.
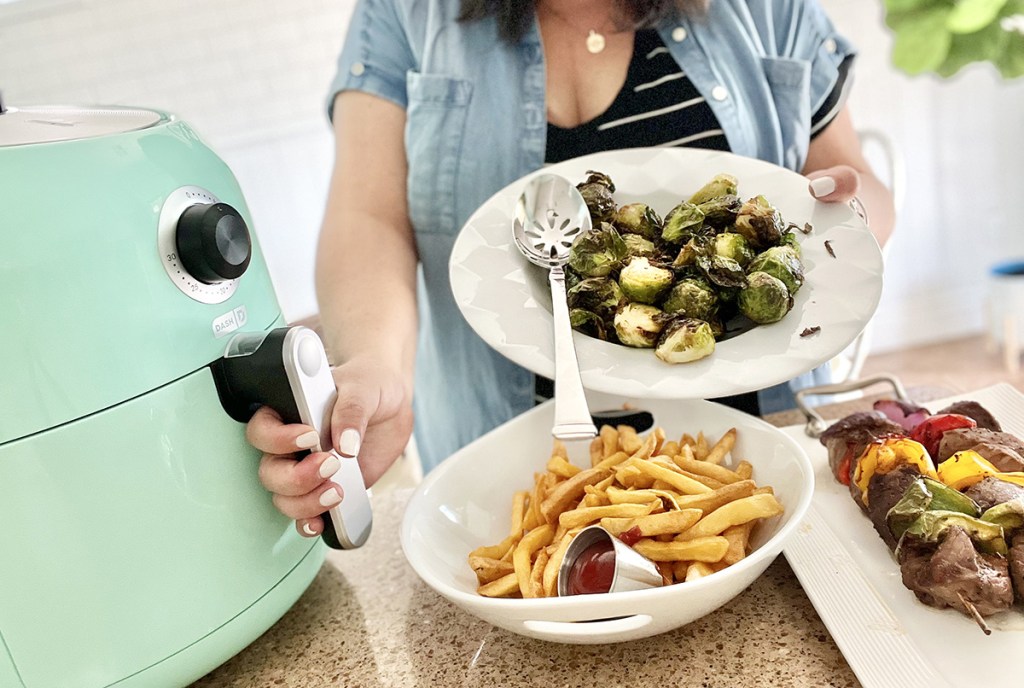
[
  {"x": 643, "y": 282},
  {"x": 599, "y": 295},
  {"x": 636, "y": 245},
  {"x": 594, "y": 177},
  {"x": 588, "y": 323},
  {"x": 720, "y": 185},
  {"x": 598, "y": 252},
  {"x": 638, "y": 218},
  {"x": 760, "y": 223},
  {"x": 685, "y": 339},
  {"x": 789, "y": 239},
  {"x": 734, "y": 246},
  {"x": 723, "y": 272},
  {"x": 682, "y": 222},
  {"x": 692, "y": 297},
  {"x": 721, "y": 212},
  {"x": 765, "y": 299},
  {"x": 639, "y": 325},
  {"x": 599, "y": 202},
  {"x": 782, "y": 263}
]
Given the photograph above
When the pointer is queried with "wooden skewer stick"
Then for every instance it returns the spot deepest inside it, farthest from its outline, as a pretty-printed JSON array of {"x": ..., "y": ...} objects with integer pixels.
[{"x": 974, "y": 612}]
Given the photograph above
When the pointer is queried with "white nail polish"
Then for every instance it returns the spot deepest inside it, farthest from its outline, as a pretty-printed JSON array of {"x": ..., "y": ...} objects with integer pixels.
[
  {"x": 348, "y": 443},
  {"x": 330, "y": 498},
  {"x": 307, "y": 440},
  {"x": 330, "y": 466},
  {"x": 822, "y": 186},
  {"x": 308, "y": 530}
]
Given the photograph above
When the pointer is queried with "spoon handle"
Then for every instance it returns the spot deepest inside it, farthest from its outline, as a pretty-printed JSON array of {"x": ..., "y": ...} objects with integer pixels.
[{"x": 572, "y": 417}]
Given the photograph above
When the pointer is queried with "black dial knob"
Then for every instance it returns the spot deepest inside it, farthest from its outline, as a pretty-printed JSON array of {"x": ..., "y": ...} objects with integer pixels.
[{"x": 213, "y": 242}]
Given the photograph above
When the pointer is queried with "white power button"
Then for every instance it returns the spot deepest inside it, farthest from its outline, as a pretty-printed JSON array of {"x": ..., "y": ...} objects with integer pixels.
[{"x": 310, "y": 357}]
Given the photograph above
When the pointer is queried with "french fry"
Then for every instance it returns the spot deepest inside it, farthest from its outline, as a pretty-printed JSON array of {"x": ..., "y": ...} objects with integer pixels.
[
  {"x": 560, "y": 466},
  {"x": 558, "y": 449},
  {"x": 732, "y": 514},
  {"x": 706, "y": 549},
  {"x": 665, "y": 569},
  {"x": 503, "y": 587},
  {"x": 617, "y": 495},
  {"x": 687, "y": 440},
  {"x": 596, "y": 451},
  {"x": 670, "y": 448},
  {"x": 629, "y": 440},
  {"x": 704, "y": 480},
  {"x": 613, "y": 460},
  {"x": 707, "y": 469},
  {"x": 523, "y": 555},
  {"x": 537, "y": 574},
  {"x": 610, "y": 438},
  {"x": 673, "y": 478},
  {"x": 646, "y": 449},
  {"x": 518, "y": 510},
  {"x": 724, "y": 445},
  {"x": 497, "y": 551},
  {"x": 745, "y": 470},
  {"x": 710, "y": 501},
  {"x": 568, "y": 492},
  {"x": 578, "y": 518},
  {"x": 488, "y": 570},
  {"x": 549, "y": 580},
  {"x": 738, "y": 537},
  {"x": 659, "y": 439},
  {"x": 679, "y": 570},
  {"x": 666, "y": 523},
  {"x": 700, "y": 448},
  {"x": 765, "y": 489},
  {"x": 697, "y": 569}
]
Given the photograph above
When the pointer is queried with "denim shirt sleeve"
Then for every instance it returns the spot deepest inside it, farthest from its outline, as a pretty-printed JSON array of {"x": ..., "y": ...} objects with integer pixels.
[{"x": 376, "y": 55}]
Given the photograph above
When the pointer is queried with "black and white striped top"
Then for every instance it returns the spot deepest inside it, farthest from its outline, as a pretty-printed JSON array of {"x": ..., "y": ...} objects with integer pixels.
[{"x": 659, "y": 106}]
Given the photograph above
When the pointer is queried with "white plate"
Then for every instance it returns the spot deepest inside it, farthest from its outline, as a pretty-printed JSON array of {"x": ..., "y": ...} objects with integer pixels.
[
  {"x": 466, "y": 502},
  {"x": 887, "y": 636},
  {"x": 507, "y": 301}
]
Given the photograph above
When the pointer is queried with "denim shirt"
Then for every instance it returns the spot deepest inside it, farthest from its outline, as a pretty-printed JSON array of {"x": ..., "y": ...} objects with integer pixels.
[{"x": 476, "y": 121}]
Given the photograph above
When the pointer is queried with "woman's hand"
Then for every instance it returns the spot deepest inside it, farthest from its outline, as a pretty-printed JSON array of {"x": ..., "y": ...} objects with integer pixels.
[
  {"x": 372, "y": 419},
  {"x": 837, "y": 184}
]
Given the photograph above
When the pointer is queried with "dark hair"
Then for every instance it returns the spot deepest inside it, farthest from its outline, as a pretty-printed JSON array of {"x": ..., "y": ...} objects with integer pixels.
[{"x": 514, "y": 16}]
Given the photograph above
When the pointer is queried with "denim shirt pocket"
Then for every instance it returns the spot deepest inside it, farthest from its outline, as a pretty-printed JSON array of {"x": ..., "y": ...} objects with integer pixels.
[
  {"x": 790, "y": 83},
  {"x": 434, "y": 133}
]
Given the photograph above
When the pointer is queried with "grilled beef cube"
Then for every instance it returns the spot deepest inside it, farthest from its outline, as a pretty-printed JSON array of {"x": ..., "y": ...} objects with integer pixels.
[
  {"x": 975, "y": 411},
  {"x": 884, "y": 490},
  {"x": 988, "y": 492},
  {"x": 938, "y": 575},
  {"x": 1016, "y": 558},
  {"x": 1001, "y": 449},
  {"x": 849, "y": 436}
]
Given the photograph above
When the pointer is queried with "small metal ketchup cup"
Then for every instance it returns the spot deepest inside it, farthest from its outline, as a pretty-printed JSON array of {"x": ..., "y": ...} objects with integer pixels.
[{"x": 596, "y": 561}]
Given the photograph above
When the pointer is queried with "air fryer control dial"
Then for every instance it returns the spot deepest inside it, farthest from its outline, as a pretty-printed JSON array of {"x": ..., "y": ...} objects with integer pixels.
[
  {"x": 202, "y": 242},
  {"x": 213, "y": 242}
]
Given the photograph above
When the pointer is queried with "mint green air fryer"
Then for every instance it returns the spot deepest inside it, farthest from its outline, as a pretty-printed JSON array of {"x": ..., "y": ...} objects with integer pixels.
[{"x": 137, "y": 547}]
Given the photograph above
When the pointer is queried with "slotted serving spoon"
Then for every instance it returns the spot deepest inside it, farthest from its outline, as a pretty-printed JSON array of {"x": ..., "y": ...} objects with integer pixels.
[{"x": 549, "y": 214}]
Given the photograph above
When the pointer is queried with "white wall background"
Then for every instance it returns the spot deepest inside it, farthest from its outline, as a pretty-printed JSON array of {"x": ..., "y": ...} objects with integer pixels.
[{"x": 251, "y": 76}]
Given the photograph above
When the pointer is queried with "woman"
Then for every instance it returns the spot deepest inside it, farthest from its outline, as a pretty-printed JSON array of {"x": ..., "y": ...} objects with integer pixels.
[{"x": 437, "y": 106}]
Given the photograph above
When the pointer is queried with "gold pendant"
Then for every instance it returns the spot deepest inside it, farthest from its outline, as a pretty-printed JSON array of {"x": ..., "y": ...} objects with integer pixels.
[{"x": 595, "y": 42}]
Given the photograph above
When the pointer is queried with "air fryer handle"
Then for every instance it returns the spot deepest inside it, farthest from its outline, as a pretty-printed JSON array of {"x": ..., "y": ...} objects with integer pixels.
[{"x": 287, "y": 369}]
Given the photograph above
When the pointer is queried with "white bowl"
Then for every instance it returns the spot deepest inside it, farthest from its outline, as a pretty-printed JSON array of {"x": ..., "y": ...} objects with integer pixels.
[{"x": 466, "y": 503}]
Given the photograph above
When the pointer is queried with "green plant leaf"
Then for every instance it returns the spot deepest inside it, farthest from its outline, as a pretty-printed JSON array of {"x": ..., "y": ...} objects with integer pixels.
[
  {"x": 985, "y": 45},
  {"x": 969, "y": 16},
  {"x": 922, "y": 40},
  {"x": 1011, "y": 62},
  {"x": 905, "y": 5}
]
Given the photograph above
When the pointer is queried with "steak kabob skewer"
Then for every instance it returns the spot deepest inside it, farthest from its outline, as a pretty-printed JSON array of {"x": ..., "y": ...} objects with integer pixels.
[{"x": 905, "y": 469}]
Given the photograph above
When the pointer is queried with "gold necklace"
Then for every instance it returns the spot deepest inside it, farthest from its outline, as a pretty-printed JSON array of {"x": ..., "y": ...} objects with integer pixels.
[{"x": 595, "y": 41}]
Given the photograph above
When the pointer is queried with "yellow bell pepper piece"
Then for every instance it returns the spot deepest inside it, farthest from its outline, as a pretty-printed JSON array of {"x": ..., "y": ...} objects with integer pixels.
[
  {"x": 967, "y": 467},
  {"x": 885, "y": 456}
]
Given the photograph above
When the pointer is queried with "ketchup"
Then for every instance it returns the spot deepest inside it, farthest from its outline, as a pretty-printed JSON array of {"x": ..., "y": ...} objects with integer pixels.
[{"x": 593, "y": 570}]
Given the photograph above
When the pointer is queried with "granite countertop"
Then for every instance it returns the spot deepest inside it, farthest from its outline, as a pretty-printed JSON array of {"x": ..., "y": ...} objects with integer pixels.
[{"x": 368, "y": 621}]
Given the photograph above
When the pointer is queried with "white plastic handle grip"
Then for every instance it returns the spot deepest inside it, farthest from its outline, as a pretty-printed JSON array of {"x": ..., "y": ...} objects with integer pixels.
[{"x": 593, "y": 631}]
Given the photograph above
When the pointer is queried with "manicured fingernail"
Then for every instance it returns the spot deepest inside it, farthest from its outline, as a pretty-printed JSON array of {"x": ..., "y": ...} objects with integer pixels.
[
  {"x": 307, "y": 440},
  {"x": 308, "y": 530},
  {"x": 330, "y": 498},
  {"x": 348, "y": 443},
  {"x": 330, "y": 466},
  {"x": 822, "y": 186}
]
